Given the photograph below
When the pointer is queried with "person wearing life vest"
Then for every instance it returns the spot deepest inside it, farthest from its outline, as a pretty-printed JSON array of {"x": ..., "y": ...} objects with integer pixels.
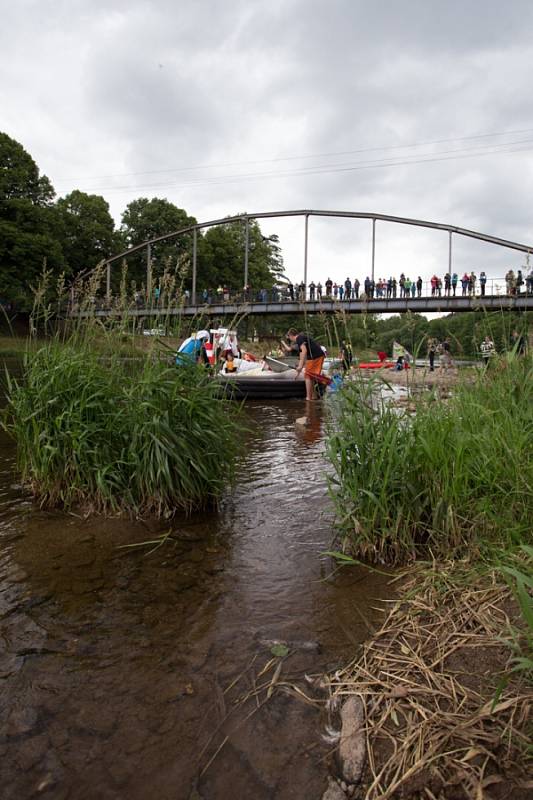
[
  {"x": 209, "y": 352},
  {"x": 230, "y": 365}
]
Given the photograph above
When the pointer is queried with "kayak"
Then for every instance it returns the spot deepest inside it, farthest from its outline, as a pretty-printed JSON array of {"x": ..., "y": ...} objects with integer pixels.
[{"x": 377, "y": 365}]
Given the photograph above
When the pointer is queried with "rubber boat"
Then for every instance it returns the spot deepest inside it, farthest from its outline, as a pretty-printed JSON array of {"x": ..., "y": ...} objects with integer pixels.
[
  {"x": 258, "y": 384},
  {"x": 268, "y": 378}
]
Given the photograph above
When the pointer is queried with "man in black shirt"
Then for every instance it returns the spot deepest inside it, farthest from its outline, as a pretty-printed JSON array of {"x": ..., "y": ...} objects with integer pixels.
[{"x": 311, "y": 357}]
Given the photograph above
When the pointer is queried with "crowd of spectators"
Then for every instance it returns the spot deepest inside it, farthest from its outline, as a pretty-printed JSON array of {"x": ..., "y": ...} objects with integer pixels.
[{"x": 450, "y": 285}]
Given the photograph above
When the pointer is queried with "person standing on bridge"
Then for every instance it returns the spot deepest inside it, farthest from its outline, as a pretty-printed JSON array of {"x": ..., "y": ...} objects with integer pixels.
[
  {"x": 347, "y": 289},
  {"x": 319, "y": 290},
  {"x": 311, "y": 358},
  {"x": 312, "y": 288},
  {"x": 482, "y": 282},
  {"x": 329, "y": 287},
  {"x": 356, "y": 285},
  {"x": 455, "y": 279}
]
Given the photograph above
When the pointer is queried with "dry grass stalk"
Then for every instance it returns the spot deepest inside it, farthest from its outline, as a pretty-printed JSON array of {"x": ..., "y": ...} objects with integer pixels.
[{"x": 433, "y": 727}]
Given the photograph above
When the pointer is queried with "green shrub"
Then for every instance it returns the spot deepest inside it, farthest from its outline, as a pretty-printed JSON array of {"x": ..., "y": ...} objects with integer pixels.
[
  {"x": 456, "y": 475},
  {"x": 110, "y": 434}
]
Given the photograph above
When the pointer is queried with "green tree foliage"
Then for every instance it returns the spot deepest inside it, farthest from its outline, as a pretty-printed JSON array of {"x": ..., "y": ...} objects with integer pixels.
[
  {"x": 466, "y": 331},
  {"x": 146, "y": 219},
  {"x": 221, "y": 258},
  {"x": 88, "y": 230},
  {"x": 19, "y": 175},
  {"x": 30, "y": 227}
]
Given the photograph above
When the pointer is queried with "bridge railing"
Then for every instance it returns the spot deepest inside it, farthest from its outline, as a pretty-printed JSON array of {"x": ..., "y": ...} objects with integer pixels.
[{"x": 494, "y": 287}]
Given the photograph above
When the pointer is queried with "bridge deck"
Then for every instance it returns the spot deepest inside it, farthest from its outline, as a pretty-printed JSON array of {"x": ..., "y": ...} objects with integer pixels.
[{"x": 419, "y": 305}]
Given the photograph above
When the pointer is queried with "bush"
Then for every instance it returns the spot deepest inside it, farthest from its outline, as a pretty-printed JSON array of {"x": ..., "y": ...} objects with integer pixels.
[
  {"x": 112, "y": 435},
  {"x": 455, "y": 476}
]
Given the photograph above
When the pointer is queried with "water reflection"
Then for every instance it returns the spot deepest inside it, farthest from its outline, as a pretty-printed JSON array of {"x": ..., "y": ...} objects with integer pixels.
[{"x": 115, "y": 662}]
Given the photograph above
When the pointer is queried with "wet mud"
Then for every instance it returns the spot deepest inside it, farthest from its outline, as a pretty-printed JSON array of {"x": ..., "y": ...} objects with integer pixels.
[{"x": 130, "y": 673}]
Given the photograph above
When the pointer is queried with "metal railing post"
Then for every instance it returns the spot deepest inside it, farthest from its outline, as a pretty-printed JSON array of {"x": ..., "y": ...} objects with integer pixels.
[
  {"x": 108, "y": 280},
  {"x": 450, "y": 252},
  {"x": 194, "y": 257}
]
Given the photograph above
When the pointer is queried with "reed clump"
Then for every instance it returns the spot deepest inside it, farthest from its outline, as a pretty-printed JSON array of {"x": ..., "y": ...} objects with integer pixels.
[
  {"x": 451, "y": 478},
  {"x": 111, "y": 435},
  {"x": 446, "y": 713}
]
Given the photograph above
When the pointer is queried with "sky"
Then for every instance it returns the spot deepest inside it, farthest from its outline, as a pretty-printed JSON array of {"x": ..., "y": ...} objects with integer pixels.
[{"x": 415, "y": 108}]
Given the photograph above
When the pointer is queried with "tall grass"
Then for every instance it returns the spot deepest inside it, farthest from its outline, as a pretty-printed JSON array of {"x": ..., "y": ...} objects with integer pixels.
[
  {"x": 108, "y": 433},
  {"x": 452, "y": 478}
]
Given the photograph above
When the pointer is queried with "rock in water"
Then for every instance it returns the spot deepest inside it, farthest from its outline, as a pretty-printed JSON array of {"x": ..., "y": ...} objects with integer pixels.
[
  {"x": 352, "y": 747},
  {"x": 334, "y": 791}
]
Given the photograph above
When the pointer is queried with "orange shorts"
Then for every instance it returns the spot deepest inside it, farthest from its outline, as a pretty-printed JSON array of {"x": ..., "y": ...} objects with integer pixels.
[{"x": 313, "y": 367}]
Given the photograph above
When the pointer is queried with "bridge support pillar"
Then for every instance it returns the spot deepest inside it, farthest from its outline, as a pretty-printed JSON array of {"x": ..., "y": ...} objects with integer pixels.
[
  {"x": 373, "y": 247},
  {"x": 194, "y": 258},
  {"x": 108, "y": 280},
  {"x": 148, "y": 273},
  {"x": 450, "y": 252},
  {"x": 306, "y": 240},
  {"x": 246, "y": 254}
]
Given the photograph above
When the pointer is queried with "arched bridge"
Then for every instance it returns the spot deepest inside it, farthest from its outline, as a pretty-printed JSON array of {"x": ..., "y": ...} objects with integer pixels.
[{"x": 495, "y": 296}]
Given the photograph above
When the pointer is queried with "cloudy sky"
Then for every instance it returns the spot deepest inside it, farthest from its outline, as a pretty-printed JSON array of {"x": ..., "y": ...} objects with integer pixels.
[{"x": 419, "y": 108}]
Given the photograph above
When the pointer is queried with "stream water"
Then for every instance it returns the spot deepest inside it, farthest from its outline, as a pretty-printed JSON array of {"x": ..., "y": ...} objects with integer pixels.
[{"x": 124, "y": 672}]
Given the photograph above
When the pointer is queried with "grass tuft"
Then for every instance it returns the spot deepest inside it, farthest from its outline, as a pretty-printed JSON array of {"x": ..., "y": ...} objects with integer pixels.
[
  {"x": 111, "y": 435},
  {"x": 449, "y": 480}
]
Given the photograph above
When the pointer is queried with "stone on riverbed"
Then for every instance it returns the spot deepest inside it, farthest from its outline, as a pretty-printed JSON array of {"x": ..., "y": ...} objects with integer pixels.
[
  {"x": 352, "y": 747},
  {"x": 334, "y": 791},
  {"x": 292, "y": 645}
]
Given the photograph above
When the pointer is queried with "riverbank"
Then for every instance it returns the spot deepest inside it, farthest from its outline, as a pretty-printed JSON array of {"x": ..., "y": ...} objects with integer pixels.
[
  {"x": 438, "y": 704},
  {"x": 433, "y": 706}
]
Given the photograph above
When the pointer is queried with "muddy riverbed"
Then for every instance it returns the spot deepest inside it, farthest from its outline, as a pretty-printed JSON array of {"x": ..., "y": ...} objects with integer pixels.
[{"x": 122, "y": 672}]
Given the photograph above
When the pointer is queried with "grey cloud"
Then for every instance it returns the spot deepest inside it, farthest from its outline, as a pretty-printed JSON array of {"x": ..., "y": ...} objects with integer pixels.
[{"x": 106, "y": 88}]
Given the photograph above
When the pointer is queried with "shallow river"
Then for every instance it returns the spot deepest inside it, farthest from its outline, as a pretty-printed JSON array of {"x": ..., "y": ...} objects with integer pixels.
[{"x": 123, "y": 672}]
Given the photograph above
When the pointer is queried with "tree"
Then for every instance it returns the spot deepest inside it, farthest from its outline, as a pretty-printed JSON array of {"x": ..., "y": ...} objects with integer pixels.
[
  {"x": 146, "y": 219},
  {"x": 19, "y": 175},
  {"x": 30, "y": 227},
  {"x": 89, "y": 230},
  {"x": 221, "y": 258}
]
